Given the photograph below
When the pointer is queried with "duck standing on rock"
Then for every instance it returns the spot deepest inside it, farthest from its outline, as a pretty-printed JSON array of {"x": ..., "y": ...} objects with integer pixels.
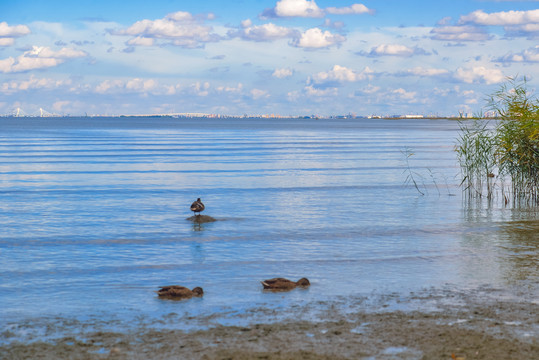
[
  {"x": 179, "y": 292},
  {"x": 197, "y": 207},
  {"x": 281, "y": 284}
]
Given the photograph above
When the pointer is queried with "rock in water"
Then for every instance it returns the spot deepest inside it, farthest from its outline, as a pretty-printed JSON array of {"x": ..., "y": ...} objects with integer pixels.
[
  {"x": 201, "y": 219},
  {"x": 281, "y": 284}
]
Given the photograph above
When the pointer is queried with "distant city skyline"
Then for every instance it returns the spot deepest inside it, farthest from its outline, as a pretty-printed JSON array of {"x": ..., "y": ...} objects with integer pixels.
[
  {"x": 20, "y": 113},
  {"x": 286, "y": 57}
]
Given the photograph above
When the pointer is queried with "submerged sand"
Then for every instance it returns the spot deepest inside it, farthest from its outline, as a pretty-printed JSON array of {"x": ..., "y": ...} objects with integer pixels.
[{"x": 434, "y": 324}]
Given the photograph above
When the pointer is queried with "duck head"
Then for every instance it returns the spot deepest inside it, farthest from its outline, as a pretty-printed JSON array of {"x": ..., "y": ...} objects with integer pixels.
[
  {"x": 198, "y": 291},
  {"x": 303, "y": 282}
]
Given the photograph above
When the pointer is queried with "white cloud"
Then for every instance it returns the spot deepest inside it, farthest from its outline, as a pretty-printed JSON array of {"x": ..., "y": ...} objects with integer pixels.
[
  {"x": 266, "y": 32},
  {"x": 259, "y": 94},
  {"x": 47, "y": 52},
  {"x": 282, "y": 73},
  {"x": 39, "y": 58},
  {"x": 315, "y": 39},
  {"x": 404, "y": 95},
  {"x": 6, "y": 65},
  {"x": 180, "y": 16},
  {"x": 312, "y": 91},
  {"x": 9, "y": 33},
  {"x": 179, "y": 28},
  {"x": 515, "y": 23},
  {"x": 293, "y": 96},
  {"x": 333, "y": 24},
  {"x": 370, "y": 89},
  {"x": 108, "y": 85},
  {"x": 229, "y": 89},
  {"x": 141, "y": 41},
  {"x": 309, "y": 8},
  {"x": 59, "y": 106},
  {"x": 340, "y": 74},
  {"x": 352, "y": 9},
  {"x": 420, "y": 71},
  {"x": 201, "y": 88},
  {"x": 530, "y": 55},
  {"x": 33, "y": 83},
  {"x": 529, "y": 30},
  {"x": 141, "y": 85},
  {"x": 459, "y": 33},
  {"x": 298, "y": 8},
  {"x": 13, "y": 31},
  {"x": 393, "y": 50},
  {"x": 502, "y": 18},
  {"x": 135, "y": 85},
  {"x": 7, "y": 41},
  {"x": 479, "y": 74},
  {"x": 24, "y": 63},
  {"x": 169, "y": 89},
  {"x": 470, "y": 97}
]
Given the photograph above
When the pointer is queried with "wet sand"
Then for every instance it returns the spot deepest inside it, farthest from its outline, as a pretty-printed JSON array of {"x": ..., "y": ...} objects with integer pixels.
[{"x": 434, "y": 324}]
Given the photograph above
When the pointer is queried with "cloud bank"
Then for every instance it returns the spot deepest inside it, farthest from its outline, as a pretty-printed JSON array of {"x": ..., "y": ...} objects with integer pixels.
[
  {"x": 460, "y": 33},
  {"x": 479, "y": 74},
  {"x": 8, "y": 34},
  {"x": 472, "y": 27},
  {"x": 39, "y": 58},
  {"x": 298, "y": 8},
  {"x": 178, "y": 29},
  {"x": 503, "y": 18},
  {"x": 309, "y": 9},
  {"x": 393, "y": 50},
  {"x": 315, "y": 38},
  {"x": 265, "y": 32},
  {"x": 282, "y": 73},
  {"x": 530, "y": 55},
  {"x": 339, "y": 74}
]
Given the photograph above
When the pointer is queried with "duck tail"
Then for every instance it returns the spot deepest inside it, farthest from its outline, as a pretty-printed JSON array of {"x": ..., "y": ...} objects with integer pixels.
[{"x": 265, "y": 284}]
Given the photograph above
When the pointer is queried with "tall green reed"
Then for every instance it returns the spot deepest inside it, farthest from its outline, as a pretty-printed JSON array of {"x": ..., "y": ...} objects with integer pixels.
[{"x": 508, "y": 146}]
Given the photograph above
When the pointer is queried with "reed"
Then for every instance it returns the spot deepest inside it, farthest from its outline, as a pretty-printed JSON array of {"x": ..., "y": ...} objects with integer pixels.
[
  {"x": 411, "y": 175},
  {"x": 508, "y": 146},
  {"x": 417, "y": 177}
]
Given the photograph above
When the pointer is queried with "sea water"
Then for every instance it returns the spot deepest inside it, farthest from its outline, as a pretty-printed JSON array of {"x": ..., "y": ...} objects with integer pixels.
[{"x": 93, "y": 215}]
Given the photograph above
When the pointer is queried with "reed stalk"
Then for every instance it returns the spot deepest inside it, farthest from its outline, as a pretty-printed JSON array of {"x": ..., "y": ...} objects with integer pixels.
[{"x": 411, "y": 175}]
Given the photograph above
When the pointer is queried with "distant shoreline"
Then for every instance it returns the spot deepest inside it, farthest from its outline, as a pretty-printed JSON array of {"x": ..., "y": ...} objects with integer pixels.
[{"x": 254, "y": 117}]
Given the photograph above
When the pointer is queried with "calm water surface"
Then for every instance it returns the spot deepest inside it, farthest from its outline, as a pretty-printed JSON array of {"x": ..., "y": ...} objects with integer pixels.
[{"x": 93, "y": 215}]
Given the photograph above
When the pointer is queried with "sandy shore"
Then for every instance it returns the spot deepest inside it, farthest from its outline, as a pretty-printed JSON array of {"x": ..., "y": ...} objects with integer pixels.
[{"x": 435, "y": 324}]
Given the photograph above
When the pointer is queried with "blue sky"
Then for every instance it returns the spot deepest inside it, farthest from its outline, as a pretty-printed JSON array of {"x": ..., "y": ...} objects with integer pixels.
[{"x": 287, "y": 57}]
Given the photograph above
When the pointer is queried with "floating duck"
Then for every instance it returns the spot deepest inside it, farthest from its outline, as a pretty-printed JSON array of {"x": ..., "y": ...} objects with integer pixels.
[
  {"x": 179, "y": 292},
  {"x": 197, "y": 206},
  {"x": 284, "y": 284}
]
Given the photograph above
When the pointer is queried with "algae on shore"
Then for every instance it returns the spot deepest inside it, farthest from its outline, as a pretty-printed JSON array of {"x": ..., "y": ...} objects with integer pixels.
[{"x": 443, "y": 324}]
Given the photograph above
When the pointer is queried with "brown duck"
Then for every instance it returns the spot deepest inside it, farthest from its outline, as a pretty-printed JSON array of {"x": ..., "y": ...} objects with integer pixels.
[
  {"x": 197, "y": 206},
  {"x": 179, "y": 292},
  {"x": 284, "y": 284}
]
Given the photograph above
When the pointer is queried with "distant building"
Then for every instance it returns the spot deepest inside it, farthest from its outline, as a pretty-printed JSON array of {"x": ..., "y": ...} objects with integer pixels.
[{"x": 413, "y": 116}]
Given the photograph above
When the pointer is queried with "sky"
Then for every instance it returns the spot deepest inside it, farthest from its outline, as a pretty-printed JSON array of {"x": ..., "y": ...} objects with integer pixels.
[{"x": 285, "y": 57}]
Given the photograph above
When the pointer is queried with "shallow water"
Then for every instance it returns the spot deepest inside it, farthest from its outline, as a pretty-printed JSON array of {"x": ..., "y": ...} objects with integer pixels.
[{"x": 93, "y": 215}]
